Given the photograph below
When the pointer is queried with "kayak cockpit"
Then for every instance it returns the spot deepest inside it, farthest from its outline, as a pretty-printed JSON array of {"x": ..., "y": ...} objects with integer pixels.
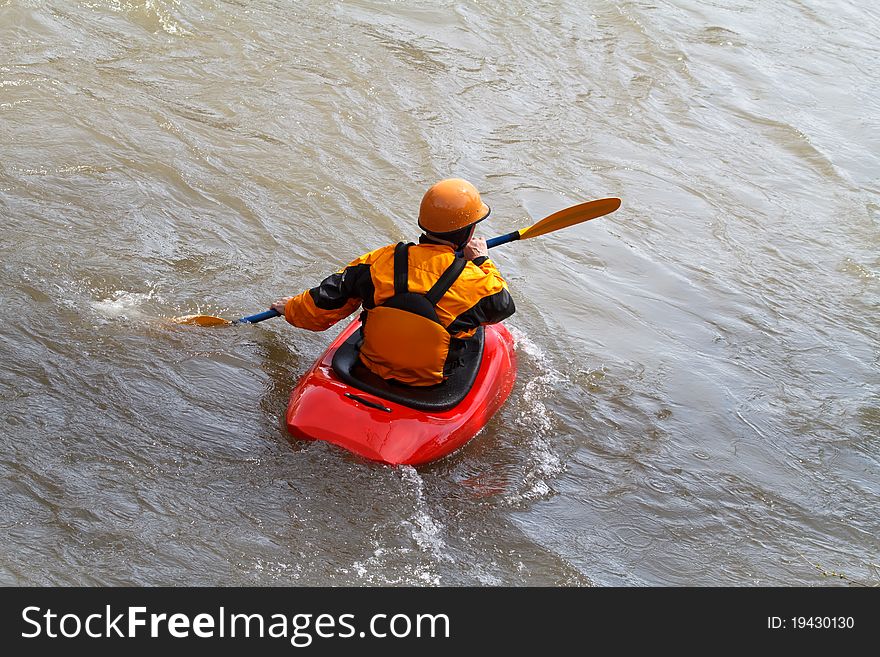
[{"x": 441, "y": 397}]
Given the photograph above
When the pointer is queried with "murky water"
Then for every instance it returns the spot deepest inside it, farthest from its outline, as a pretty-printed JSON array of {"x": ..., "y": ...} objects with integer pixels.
[{"x": 698, "y": 399}]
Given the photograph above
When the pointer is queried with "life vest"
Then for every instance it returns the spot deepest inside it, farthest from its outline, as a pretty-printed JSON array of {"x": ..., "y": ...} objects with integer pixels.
[{"x": 403, "y": 338}]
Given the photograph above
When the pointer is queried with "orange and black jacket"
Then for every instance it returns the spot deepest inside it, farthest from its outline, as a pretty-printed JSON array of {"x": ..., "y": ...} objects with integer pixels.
[{"x": 478, "y": 296}]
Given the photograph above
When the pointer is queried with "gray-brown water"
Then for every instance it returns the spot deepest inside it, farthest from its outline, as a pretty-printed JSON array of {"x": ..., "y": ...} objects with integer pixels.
[{"x": 698, "y": 399}]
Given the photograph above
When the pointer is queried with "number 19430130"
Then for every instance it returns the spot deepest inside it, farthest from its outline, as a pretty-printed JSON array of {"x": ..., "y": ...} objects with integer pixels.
[{"x": 811, "y": 623}]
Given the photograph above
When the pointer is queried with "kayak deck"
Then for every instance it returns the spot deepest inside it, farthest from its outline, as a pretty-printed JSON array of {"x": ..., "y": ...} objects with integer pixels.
[{"x": 324, "y": 407}]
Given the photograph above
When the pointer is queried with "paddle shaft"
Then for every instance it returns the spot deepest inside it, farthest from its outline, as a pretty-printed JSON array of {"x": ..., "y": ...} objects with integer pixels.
[
  {"x": 259, "y": 317},
  {"x": 502, "y": 239}
]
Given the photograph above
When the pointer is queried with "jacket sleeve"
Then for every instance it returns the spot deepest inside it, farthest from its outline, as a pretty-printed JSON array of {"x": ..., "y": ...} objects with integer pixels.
[
  {"x": 495, "y": 303},
  {"x": 488, "y": 267},
  {"x": 334, "y": 299}
]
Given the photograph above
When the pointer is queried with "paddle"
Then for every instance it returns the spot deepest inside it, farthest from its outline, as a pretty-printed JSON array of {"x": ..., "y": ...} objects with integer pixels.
[
  {"x": 576, "y": 214},
  {"x": 209, "y": 320}
]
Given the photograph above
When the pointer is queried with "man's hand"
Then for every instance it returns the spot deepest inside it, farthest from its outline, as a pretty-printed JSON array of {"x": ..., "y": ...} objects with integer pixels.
[
  {"x": 280, "y": 304},
  {"x": 475, "y": 248}
]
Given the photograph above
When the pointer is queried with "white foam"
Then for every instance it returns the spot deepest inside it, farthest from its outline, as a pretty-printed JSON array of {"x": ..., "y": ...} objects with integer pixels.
[
  {"x": 379, "y": 566},
  {"x": 427, "y": 531},
  {"x": 537, "y": 421},
  {"x": 122, "y": 304}
]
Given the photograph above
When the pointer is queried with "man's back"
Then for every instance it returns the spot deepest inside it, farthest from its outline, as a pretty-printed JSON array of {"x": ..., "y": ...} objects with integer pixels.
[{"x": 420, "y": 302}]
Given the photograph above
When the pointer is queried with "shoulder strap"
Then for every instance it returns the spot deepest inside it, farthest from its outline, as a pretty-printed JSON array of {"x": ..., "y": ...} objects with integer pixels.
[
  {"x": 446, "y": 281},
  {"x": 401, "y": 268}
]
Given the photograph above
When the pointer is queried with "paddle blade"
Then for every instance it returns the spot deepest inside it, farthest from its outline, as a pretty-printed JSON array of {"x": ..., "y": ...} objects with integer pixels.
[
  {"x": 201, "y": 320},
  {"x": 570, "y": 216}
]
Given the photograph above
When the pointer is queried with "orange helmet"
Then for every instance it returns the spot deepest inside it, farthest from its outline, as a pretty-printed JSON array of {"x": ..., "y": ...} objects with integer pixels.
[{"x": 451, "y": 205}]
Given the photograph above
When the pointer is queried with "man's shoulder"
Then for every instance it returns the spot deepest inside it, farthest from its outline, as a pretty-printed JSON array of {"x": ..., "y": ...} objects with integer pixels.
[{"x": 371, "y": 257}]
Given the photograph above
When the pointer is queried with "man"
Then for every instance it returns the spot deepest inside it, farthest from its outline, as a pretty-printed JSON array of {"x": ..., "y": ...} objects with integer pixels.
[{"x": 421, "y": 302}]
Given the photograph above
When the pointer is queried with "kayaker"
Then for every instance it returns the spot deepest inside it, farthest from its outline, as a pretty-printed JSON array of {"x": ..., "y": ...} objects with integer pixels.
[{"x": 421, "y": 302}]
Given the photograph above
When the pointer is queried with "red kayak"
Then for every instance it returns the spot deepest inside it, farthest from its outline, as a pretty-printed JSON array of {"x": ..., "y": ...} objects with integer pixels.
[{"x": 340, "y": 401}]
